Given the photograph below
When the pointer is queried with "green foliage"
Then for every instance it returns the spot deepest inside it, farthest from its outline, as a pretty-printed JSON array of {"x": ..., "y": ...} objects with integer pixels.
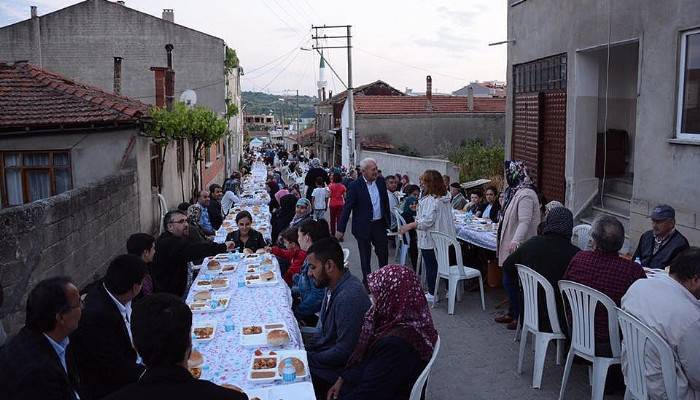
[
  {"x": 231, "y": 109},
  {"x": 204, "y": 128},
  {"x": 165, "y": 126},
  {"x": 231, "y": 60},
  {"x": 261, "y": 103},
  {"x": 476, "y": 160}
]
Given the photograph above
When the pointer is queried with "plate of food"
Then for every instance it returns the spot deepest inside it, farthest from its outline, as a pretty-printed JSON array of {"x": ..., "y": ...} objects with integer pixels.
[
  {"x": 219, "y": 283},
  {"x": 201, "y": 306},
  {"x": 228, "y": 268},
  {"x": 213, "y": 265},
  {"x": 266, "y": 278},
  {"x": 202, "y": 295},
  {"x": 195, "y": 364},
  {"x": 267, "y": 366},
  {"x": 270, "y": 334},
  {"x": 203, "y": 330}
]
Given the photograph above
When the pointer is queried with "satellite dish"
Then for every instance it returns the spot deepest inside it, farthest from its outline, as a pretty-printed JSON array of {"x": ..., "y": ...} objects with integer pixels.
[{"x": 189, "y": 97}]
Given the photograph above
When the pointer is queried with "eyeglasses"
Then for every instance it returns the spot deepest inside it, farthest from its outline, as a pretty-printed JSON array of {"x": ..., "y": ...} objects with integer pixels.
[{"x": 182, "y": 221}]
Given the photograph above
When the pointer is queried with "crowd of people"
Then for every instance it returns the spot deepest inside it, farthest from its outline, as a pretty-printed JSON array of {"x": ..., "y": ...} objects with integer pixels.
[{"x": 128, "y": 335}]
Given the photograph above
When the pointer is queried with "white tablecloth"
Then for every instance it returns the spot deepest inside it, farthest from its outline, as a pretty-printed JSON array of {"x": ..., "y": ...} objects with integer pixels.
[
  {"x": 475, "y": 232},
  {"x": 226, "y": 360}
]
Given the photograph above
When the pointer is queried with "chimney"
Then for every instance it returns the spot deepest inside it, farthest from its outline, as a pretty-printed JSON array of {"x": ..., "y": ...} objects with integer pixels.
[
  {"x": 32, "y": 11},
  {"x": 429, "y": 87},
  {"x": 117, "y": 75},
  {"x": 470, "y": 98},
  {"x": 169, "y": 78},
  {"x": 169, "y": 14},
  {"x": 160, "y": 85}
]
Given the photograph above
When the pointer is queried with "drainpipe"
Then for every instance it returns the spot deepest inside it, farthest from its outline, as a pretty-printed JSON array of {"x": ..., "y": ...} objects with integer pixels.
[{"x": 169, "y": 79}]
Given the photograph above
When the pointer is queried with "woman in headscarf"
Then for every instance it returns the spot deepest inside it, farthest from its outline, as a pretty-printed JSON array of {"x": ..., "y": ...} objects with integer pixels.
[
  {"x": 303, "y": 211},
  {"x": 272, "y": 188},
  {"x": 195, "y": 233},
  {"x": 281, "y": 193},
  {"x": 283, "y": 216},
  {"x": 315, "y": 170},
  {"x": 410, "y": 205},
  {"x": 396, "y": 341},
  {"x": 548, "y": 254},
  {"x": 521, "y": 216}
]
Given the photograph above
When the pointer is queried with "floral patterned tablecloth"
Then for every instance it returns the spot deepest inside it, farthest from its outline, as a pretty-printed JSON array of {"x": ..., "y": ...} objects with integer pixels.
[{"x": 226, "y": 360}]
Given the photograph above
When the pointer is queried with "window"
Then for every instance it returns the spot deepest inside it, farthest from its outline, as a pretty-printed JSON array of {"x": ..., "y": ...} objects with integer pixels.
[
  {"x": 31, "y": 176},
  {"x": 207, "y": 157},
  {"x": 688, "y": 124},
  {"x": 540, "y": 75},
  {"x": 155, "y": 166}
]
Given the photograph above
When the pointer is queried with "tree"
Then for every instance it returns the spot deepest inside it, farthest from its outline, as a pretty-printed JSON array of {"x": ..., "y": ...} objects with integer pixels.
[
  {"x": 199, "y": 125},
  {"x": 231, "y": 60},
  {"x": 165, "y": 127},
  {"x": 204, "y": 128}
]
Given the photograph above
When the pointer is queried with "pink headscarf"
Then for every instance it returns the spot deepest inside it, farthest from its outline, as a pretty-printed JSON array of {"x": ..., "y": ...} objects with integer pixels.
[
  {"x": 399, "y": 309},
  {"x": 281, "y": 193}
]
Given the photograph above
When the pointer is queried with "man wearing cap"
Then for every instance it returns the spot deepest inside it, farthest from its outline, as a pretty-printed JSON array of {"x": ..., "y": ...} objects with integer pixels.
[{"x": 658, "y": 246}]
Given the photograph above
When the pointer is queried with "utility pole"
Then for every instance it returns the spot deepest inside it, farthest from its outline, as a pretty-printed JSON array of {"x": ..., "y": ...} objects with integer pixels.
[
  {"x": 351, "y": 142},
  {"x": 297, "y": 112}
]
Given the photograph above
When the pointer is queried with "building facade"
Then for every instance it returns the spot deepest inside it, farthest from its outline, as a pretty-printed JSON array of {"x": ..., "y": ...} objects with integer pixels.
[
  {"x": 116, "y": 48},
  {"x": 604, "y": 106}
]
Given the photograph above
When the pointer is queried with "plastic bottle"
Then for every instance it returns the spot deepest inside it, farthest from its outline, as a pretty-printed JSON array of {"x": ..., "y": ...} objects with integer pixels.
[
  {"x": 228, "y": 324},
  {"x": 289, "y": 374},
  {"x": 469, "y": 215}
]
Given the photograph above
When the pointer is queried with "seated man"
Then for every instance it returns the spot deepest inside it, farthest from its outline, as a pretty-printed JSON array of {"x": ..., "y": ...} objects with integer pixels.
[
  {"x": 205, "y": 222},
  {"x": 668, "y": 304},
  {"x": 143, "y": 245},
  {"x": 102, "y": 345},
  {"x": 37, "y": 363},
  {"x": 174, "y": 251},
  {"x": 342, "y": 312},
  {"x": 216, "y": 217},
  {"x": 548, "y": 254},
  {"x": 161, "y": 325},
  {"x": 604, "y": 270},
  {"x": 658, "y": 246}
]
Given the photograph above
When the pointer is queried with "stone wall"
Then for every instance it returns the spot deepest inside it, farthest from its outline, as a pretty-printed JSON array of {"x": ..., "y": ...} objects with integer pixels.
[{"x": 75, "y": 233}]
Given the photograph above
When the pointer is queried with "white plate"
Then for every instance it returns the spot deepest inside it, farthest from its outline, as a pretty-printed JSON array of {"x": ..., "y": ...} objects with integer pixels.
[
  {"x": 281, "y": 355},
  {"x": 202, "y": 324},
  {"x": 259, "y": 282},
  {"x": 207, "y": 305},
  {"x": 260, "y": 340}
]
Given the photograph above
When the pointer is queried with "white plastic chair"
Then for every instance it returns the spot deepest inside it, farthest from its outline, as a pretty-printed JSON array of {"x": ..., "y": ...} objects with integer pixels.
[
  {"x": 422, "y": 380},
  {"x": 530, "y": 281},
  {"x": 637, "y": 338},
  {"x": 583, "y": 301},
  {"x": 346, "y": 256},
  {"x": 581, "y": 236},
  {"x": 403, "y": 242},
  {"x": 163, "y": 207},
  {"x": 453, "y": 273}
]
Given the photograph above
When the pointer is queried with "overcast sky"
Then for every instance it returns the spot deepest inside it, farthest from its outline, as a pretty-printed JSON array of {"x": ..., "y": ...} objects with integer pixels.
[{"x": 397, "y": 41}]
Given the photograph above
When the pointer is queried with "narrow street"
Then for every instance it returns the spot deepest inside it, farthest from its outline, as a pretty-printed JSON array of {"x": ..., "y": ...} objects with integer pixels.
[{"x": 478, "y": 357}]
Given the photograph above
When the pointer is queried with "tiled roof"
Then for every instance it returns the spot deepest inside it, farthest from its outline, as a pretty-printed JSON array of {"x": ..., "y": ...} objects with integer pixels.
[
  {"x": 420, "y": 105},
  {"x": 340, "y": 97},
  {"x": 32, "y": 98}
]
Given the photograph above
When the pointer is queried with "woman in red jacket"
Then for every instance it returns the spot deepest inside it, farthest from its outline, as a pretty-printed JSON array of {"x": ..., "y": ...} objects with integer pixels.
[{"x": 292, "y": 253}]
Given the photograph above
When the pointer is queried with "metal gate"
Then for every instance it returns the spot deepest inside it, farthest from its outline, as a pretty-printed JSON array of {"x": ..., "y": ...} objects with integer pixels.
[{"x": 539, "y": 122}]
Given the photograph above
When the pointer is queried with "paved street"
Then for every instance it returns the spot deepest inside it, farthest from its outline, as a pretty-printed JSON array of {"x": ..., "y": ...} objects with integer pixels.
[{"x": 478, "y": 357}]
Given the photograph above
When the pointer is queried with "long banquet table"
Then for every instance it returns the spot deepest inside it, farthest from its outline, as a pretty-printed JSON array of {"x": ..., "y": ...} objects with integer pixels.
[
  {"x": 477, "y": 231},
  {"x": 227, "y": 361}
]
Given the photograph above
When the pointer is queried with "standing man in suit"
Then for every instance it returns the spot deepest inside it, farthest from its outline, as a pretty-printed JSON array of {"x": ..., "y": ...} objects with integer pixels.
[
  {"x": 368, "y": 201},
  {"x": 37, "y": 362},
  {"x": 102, "y": 344}
]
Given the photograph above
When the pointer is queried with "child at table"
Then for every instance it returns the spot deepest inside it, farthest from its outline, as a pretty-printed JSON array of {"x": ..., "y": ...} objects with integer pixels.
[{"x": 292, "y": 253}]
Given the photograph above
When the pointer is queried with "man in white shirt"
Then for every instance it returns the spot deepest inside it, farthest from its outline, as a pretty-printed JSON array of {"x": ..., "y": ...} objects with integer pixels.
[
  {"x": 103, "y": 344},
  {"x": 391, "y": 184},
  {"x": 669, "y": 305}
]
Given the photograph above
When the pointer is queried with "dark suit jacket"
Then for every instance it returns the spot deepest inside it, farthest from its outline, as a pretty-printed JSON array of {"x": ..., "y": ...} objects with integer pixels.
[
  {"x": 103, "y": 351},
  {"x": 358, "y": 202},
  {"x": 173, "y": 383},
  {"x": 30, "y": 369},
  {"x": 255, "y": 240},
  {"x": 169, "y": 269},
  {"x": 215, "y": 216}
]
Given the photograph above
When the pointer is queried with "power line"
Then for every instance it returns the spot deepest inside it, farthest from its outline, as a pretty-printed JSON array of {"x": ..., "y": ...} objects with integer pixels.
[
  {"x": 283, "y": 69},
  {"x": 412, "y": 66},
  {"x": 292, "y": 17},
  {"x": 280, "y": 18},
  {"x": 277, "y": 61}
]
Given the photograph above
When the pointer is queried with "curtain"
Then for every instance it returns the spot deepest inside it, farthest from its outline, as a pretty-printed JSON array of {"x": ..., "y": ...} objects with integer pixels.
[
  {"x": 39, "y": 184},
  {"x": 62, "y": 180},
  {"x": 13, "y": 179}
]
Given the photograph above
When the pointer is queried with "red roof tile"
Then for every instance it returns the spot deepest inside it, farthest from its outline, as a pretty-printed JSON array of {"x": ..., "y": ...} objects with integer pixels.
[
  {"x": 420, "y": 105},
  {"x": 32, "y": 98}
]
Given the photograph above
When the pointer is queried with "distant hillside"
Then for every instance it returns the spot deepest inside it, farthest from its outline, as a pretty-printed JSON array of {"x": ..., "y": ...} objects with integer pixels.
[{"x": 263, "y": 103}]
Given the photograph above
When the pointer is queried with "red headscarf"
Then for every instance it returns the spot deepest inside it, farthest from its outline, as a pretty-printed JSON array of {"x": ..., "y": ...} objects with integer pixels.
[{"x": 399, "y": 309}]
